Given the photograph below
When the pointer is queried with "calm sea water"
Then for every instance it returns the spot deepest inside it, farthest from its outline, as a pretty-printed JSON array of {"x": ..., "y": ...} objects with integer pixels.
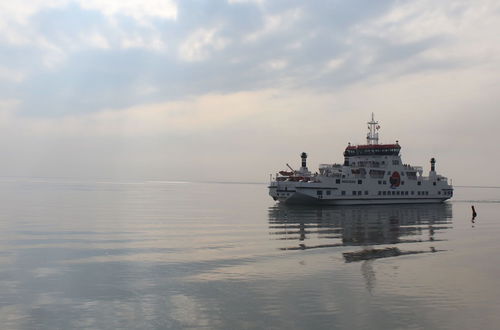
[{"x": 174, "y": 255}]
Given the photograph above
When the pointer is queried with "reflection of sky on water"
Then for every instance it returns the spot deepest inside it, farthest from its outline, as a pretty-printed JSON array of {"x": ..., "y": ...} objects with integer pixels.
[{"x": 144, "y": 256}]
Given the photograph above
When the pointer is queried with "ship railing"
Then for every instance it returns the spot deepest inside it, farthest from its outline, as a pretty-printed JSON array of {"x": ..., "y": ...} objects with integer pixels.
[
  {"x": 333, "y": 175},
  {"x": 330, "y": 169},
  {"x": 329, "y": 174},
  {"x": 368, "y": 164},
  {"x": 330, "y": 166},
  {"x": 412, "y": 168}
]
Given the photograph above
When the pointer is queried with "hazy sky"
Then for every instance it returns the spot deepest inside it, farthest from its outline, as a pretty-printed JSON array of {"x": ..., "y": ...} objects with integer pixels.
[{"x": 232, "y": 90}]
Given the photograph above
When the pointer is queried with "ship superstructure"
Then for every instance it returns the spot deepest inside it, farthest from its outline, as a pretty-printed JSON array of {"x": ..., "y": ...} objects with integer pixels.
[{"x": 372, "y": 173}]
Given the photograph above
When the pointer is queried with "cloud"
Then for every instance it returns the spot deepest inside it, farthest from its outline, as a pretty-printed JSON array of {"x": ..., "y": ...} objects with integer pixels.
[
  {"x": 11, "y": 75},
  {"x": 242, "y": 46},
  {"x": 137, "y": 78},
  {"x": 137, "y": 9},
  {"x": 65, "y": 36},
  {"x": 152, "y": 42},
  {"x": 276, "y": 64},
  {"x": 200, "y": 44},
  {"x": 95, "y": 40},
  {"x": 58, "y": 28},
  {"x": 245, "y": 1},
  {"x": 275, "y": 23},
  {"x": 335, "y": 63},
  {"x": 22, "y": 10},
  {"x": 205, "y": 113},
  {"x": 426, "y": 112},
  {"x": 234, "y": 47},
  {"x": 465, "y": 31}
]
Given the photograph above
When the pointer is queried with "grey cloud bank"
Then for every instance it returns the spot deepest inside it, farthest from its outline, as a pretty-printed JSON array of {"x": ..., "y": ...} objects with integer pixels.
[{"x": 81, "y": 60}]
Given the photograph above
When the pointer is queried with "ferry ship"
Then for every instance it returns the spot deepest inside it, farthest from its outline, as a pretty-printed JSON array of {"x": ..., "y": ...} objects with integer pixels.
[{"x": 372, "y": 173}]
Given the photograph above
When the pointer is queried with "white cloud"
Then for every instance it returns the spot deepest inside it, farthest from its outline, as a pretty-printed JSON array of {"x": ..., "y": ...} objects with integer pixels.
[
  {"x": 138, "y": 9},
  {"x": 16, "y": 27},
  {"x": 95, "y": 40},
  {"x": 295, "y": 45},
  {"x": 335, "y": 64},
  {"x": 53, "y": 53},
  {"x": 8, "y": 74},
  {"x": 466, "y": 29},
  {"x": 200, "y": 44},
  {"x": 152, "y": 42},
  {"x": 15, "y": 17},
  {"x": 246, "y": 1},
  {"x": 20, "y": 11},
  {"x": 275, "y": 23},
  {"x": 277, "y": 64},
  {"x": 413, "y": 21}
]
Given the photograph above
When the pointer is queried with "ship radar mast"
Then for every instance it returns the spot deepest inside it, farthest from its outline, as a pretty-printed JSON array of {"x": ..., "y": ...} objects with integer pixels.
[{"x": 372, "y": 136}]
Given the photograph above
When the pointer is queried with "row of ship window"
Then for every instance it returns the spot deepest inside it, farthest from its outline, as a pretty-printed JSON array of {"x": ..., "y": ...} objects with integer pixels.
[
  {"x": 385, "y": 182},
  {"x": 383, "y": 193},
  {"x": 419, "y": 193}
]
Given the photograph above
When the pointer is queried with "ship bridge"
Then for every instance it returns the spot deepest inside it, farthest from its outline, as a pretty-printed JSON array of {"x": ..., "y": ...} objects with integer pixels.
[{"x": 373, "y": 150}]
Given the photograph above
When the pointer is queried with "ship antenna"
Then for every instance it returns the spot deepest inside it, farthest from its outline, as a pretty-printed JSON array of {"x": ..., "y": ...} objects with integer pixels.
[{"x": 373, "y": 127}]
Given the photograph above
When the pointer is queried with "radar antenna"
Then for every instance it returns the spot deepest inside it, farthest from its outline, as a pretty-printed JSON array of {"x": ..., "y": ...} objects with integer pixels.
[{"x": 373, "y": 127}]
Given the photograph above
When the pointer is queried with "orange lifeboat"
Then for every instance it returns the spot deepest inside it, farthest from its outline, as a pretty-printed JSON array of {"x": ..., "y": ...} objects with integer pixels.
[{"x": 285, "y": 173}]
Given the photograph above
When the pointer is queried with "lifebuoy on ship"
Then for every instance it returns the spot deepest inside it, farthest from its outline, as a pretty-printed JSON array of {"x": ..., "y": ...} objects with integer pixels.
[{"x": 395, "y": 179}]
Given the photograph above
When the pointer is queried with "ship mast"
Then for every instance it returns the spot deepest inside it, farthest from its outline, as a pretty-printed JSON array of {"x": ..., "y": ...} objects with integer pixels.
[{"x": 372, "y": 136}]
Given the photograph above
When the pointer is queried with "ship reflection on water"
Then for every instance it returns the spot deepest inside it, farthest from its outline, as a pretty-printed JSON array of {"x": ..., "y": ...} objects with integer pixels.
[{"x": 303, "y": 227}]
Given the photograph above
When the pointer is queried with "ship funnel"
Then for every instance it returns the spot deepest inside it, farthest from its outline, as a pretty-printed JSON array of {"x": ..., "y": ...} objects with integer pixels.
[
  {"x": 304, "y": 160},
  {"x": 433, "y": 164}
]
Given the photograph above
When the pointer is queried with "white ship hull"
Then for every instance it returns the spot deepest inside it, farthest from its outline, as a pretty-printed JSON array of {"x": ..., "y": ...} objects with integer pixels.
[
  {"x": 309, "y": 195},
  {"x": 307, "y": 200}
]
